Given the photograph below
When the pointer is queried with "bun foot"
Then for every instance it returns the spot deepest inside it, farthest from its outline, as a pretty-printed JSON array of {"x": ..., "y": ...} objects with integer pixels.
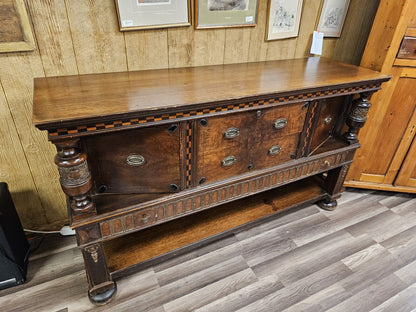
[
  {"x": 103, "y": 298},
  {"x": 328, "y": 204}
]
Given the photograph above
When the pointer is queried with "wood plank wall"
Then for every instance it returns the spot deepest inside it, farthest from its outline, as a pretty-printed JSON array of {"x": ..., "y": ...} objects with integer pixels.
[{"x": 82, "y": 36}]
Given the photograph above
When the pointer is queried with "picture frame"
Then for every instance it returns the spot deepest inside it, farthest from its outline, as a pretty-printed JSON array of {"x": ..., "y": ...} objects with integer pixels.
[
  {"x": 153, "y": 14},
  {"x": 15, "y": 29},
  {"x": 283, "y": 19},
  {"x": 332, "y": 17},
  {"x": 225, "y": 13}
]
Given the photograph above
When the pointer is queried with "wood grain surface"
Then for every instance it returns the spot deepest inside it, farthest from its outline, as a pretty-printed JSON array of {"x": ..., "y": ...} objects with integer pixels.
[
  {"x": 302, "y": 260},
  {"x": 120, "y": 93}
]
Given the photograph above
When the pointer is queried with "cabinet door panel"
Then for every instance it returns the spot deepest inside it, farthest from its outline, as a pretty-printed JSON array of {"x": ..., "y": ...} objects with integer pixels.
[
  {"x": 136, "y": 161},
  {"x": 327, "y": 120},
  {"x": 407, "y": 173}
]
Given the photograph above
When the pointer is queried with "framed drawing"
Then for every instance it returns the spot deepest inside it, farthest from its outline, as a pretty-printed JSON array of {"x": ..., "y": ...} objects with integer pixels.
[
  {"x": 225, "y": 13},
  {"x": 148, "y": 14},
  {"x": 15, "y": 30},
  {"x": 283, "y": 19},
  {"x": 332, "y": 17}
]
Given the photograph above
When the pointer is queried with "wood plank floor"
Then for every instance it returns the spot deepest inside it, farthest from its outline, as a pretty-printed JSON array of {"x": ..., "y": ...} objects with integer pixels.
[{"x": 360, "y": 257}]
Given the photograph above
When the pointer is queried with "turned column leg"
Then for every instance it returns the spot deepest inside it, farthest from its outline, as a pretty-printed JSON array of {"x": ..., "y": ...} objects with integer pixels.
[
  {"x": 357, "y": 116},
  {"x": 76, "y": 182},
  {"x": 333, "y": 186},
  {"x": 75, "y": 176}
]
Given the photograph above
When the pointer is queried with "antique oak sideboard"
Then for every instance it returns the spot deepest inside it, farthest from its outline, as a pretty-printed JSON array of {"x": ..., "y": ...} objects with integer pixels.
[{"x": 152, "y": 161}]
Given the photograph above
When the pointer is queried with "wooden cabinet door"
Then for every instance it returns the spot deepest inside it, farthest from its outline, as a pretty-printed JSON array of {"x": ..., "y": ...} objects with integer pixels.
[{"x": 143, "y": 160}]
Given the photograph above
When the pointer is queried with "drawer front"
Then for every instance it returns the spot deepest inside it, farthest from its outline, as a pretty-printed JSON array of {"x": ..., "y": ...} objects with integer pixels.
[
  {"x": 136, "y": 161},
  {"x": 277, "y": 134},
  {"x": 222, "y": 146},
  {"x": 237, "y": 143}
]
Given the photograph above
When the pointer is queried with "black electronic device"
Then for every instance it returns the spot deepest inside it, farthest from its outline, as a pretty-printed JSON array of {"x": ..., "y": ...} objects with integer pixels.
[{"x": 14, "y": 247}]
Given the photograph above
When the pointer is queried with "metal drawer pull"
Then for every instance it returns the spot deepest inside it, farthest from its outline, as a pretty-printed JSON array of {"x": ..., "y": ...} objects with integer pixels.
[
  {"x": 328, "y": 120},
  {"x": 228, "y": 161},
  {"x": 135, "y": 160},
  {"x": 274, "y": 150},
  {"x": 327, "y": 163},
  {"x": 280, "y": 123},
  {"x": 231, "y": 133}
]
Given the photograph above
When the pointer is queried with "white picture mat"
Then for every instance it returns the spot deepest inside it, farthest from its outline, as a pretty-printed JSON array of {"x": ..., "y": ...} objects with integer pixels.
[
  {"x": 332, "y": 17},
  {"x": 151, "y": 15},
  {"x": 284, "y": 19}
]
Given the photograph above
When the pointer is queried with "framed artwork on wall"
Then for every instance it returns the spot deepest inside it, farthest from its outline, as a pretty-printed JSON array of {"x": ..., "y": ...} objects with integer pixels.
[
  {"x": 332, "y": 17},
  {"x": 283, "y": 19},
  {"x": 225, "y": 13},
  {"x": 149, "y": 14},
  {"x": 15, "y": 30}
]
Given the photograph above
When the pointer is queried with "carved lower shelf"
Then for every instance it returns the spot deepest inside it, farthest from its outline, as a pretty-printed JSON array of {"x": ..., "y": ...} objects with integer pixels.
[{"x": 156, "y": 243}]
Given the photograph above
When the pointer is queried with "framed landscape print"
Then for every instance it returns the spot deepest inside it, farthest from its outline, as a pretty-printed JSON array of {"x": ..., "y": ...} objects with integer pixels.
[
  {"x": 283, "y": 19},
  {"x": 332, "y": 17},
  {"x": 147, "y": 14},
  {"x": 225, "y": 13}
]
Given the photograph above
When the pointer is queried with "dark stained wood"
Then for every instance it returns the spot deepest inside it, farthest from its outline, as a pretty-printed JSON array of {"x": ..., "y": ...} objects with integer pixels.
[
  {"x": 112, "y": 160},
  {"x": 328, "y": 118},
  {"x": 190, "y": 148},
  {"x": 256, "y": 136},
  {"x": 146, "y": 244},
  {"x": 64, "y": 99}
]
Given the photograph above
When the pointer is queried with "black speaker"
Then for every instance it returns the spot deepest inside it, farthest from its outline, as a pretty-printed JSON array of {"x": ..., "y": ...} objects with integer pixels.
[{"x": 14, "y": 247}]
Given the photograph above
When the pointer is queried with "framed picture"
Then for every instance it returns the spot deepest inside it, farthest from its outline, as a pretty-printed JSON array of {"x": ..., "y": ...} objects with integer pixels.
[
  {"x": 332, "y": 17},
  {"x": 148, "y": 14},
  {"x": 283, "y": 19},
  {"x": 225, "y": 13},
  {"x": 15, "y": 30}
]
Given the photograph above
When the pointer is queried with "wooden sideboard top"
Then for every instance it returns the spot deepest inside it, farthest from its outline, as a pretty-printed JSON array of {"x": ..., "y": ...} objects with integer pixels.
[{"x": 62, "y": 100}]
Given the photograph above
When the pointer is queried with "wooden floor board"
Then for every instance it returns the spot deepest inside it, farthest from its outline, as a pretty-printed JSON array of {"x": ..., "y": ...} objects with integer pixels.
[
  {"x": 372, "y": 296},
  {"x": 211, "y": 292},
  {"x": 244, "y": 296},
  {"x": 300, "y": 290},
  {"x": 407, "y": 273},
  {"x": 360, "y": 257},
  {"x": 404, "y": 301}
]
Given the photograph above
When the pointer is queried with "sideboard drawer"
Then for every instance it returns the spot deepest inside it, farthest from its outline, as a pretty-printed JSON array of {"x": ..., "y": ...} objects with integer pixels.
[
  {"x": 237, "y": 143},
  {"x": 136, "y": 161}
]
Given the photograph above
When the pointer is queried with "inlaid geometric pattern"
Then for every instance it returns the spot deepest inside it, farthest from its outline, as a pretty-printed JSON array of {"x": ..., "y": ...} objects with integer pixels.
[
  {"x": 188, "y": 155},
  {"x": 131, "y": 122},
  {"x": 217, "y": 196}
]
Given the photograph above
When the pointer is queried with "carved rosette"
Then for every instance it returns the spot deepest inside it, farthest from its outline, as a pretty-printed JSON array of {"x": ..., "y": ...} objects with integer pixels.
[
  {"x": 357, "y": 116},
  {"x": 75, "y": 176}
]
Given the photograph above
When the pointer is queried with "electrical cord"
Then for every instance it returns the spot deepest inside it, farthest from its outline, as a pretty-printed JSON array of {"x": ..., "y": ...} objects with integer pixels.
[{"x": 64, "y": 231}]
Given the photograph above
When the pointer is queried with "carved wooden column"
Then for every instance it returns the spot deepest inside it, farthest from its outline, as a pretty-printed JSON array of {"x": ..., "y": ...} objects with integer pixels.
[
  {"x": 75, "y": 175},
  {"x": 76, "y": 182},
  {"x": 357, "y": 116}
]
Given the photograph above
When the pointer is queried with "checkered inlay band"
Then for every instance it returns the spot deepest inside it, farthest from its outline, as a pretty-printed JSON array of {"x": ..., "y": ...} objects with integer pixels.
[{"x": 53, "y": 133}]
